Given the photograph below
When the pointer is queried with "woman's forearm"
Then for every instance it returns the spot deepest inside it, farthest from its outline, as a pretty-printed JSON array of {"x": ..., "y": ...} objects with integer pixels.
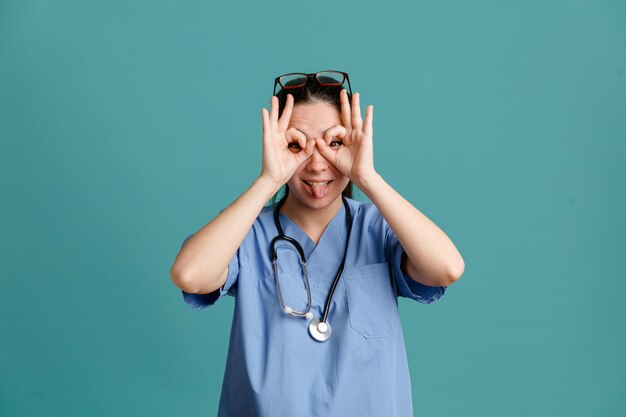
[
  {"x": 201, "y": 264},
  {"x": 433, "y": 258}
]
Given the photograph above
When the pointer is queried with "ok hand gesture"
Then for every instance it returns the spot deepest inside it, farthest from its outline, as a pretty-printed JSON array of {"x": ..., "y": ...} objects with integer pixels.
[
  {"x": 355, "y": 159},
  {"x": 279, "y": 161}
]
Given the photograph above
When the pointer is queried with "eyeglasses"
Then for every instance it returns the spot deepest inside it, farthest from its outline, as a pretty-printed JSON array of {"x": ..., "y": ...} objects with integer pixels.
[{"x": 299, "y": 79}]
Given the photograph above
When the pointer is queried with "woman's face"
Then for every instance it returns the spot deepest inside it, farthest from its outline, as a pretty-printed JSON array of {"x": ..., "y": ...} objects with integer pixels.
[{"x": 316, "y": 183}]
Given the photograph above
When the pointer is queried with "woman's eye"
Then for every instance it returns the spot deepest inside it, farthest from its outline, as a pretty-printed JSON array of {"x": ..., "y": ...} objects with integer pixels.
[
  {"x": 336, "y": 143},
  {"x": 294, "y": 146}
]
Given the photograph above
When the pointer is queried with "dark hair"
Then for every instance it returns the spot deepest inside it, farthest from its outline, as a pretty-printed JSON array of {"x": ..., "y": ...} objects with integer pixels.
[{"x": 311, "y": 92}]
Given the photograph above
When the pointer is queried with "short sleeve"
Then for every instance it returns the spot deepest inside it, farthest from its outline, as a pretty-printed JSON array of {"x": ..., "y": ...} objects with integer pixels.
[
  {"x": 202, "y": 301},
  {"x": 405, "y": 286}
]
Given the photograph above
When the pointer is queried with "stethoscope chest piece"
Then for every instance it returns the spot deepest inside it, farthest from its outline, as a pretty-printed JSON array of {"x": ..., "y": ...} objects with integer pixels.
[{"x": 320, "y": 331}]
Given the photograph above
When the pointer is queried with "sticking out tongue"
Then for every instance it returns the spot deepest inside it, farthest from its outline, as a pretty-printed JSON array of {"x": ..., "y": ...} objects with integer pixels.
[{"x": 319, "y": 191}]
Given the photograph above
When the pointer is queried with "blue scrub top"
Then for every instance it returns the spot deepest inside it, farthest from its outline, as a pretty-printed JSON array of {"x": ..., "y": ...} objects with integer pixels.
[{"x": 274, "y": 367}]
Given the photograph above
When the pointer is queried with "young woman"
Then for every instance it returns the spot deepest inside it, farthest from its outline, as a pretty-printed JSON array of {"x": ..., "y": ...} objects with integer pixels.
[{"x": 316, "y": 275}]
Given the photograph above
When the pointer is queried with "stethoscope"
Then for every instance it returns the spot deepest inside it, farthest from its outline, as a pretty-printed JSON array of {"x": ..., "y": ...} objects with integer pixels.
[{"x": 319, "y": 329}]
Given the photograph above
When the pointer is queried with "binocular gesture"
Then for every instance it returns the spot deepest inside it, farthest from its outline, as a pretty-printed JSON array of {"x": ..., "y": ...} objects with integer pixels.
[
  {"x": 279, "y": 160},
  {"x": 355, "y": 159}
]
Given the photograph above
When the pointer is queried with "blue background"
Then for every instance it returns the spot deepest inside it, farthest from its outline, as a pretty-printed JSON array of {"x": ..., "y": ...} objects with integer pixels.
[{"x": 126, "y": 126}]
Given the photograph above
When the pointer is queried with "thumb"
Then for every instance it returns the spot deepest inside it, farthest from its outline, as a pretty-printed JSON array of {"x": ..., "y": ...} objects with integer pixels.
[
  {"x": 308, "y": 150},
  {"x": 324, "y": 149}
]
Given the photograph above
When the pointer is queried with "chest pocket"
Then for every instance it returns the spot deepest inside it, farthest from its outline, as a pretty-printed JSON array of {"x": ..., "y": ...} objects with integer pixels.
[{"x": 372, "y": 305}]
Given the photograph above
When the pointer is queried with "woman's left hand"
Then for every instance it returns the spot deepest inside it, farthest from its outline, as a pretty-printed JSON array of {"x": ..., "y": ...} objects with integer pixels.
[{"x": 355, "y": 157}]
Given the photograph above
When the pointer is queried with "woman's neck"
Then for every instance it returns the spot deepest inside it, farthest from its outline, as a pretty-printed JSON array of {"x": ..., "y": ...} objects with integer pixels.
[{"x": 312, "y": 221}]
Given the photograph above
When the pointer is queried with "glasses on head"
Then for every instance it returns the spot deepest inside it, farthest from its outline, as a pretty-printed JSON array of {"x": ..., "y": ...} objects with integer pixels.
[{"x": 325, "y": 78}]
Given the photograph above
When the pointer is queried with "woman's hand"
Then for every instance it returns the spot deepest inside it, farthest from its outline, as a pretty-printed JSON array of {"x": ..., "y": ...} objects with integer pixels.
[
  {"x": 283, "y": 149},
  {"x": 354, "y": 158}
]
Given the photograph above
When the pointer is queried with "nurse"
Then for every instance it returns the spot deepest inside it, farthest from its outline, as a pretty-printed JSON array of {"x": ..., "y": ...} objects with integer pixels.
[{"x": 315, "y": 328}]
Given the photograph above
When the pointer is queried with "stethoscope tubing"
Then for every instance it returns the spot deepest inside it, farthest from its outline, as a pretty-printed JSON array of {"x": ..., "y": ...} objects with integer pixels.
[
  {"x": 343, "y": 261},
  {"x": 274, "y": 255},
  {"x": 291, "y": 311}
]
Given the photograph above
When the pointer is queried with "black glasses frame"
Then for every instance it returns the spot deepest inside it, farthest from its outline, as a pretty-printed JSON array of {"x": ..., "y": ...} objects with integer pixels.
[{"x": 314, "y": 76}]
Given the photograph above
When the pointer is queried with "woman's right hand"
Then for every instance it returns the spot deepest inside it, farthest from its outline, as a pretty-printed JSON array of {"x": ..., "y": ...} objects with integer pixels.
[{"x": 283, "y": 149}]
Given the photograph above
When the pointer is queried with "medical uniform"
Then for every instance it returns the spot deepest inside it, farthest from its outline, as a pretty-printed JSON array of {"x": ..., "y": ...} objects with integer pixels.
[{"x": 274, "y": 367}]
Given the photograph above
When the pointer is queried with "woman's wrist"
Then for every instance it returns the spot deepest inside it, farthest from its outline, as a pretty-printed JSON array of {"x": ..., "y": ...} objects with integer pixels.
[
  {"x": 367, "y": 181},
  {"x": 270, "y": 185}
]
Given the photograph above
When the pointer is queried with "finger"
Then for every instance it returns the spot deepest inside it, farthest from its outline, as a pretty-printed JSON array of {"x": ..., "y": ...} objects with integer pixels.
[
  {"x": 336, "y": 131},
  {"x": 345, "y": 109},
  {"x": 369, "y": 118},
  {"x": 274, "y": 111},
  {"x": 324, "y": 150},
  {"x": 357, "y": 122},
  {"x": 266, "y": 119},
  {"x": 308, "y": 150},
  {"x": 293, "y": 133},
  {"x": 284, "y": 118}
]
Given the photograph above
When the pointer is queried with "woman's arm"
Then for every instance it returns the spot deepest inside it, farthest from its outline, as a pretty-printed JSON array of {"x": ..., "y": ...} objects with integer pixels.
[
  {"x": 432, "y": 259},
  {"x": 201, "y": 265}
]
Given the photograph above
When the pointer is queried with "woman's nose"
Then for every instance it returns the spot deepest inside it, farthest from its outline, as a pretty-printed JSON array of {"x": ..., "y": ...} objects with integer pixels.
[{"x": 317, "y": 162}]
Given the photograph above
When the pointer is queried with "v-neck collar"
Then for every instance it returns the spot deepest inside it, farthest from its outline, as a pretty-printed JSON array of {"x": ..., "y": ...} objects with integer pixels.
[{"x": 334, "y": 234}]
